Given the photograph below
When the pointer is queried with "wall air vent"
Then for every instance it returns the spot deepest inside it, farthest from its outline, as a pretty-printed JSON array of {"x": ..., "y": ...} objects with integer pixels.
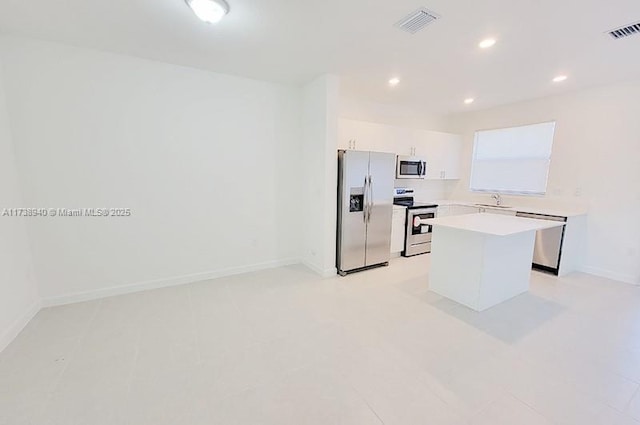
[
  {"x": 417, "y": 20},
  {"x": 625, "y": 31}
]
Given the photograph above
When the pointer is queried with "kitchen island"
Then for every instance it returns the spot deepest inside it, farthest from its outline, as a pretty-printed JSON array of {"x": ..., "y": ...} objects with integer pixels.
[{"x": 480, "y": 260}]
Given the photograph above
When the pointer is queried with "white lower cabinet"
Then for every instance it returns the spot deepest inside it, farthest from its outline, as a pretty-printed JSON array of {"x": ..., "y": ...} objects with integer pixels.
[
  {"x": 397, "y": 229},
  {"x": 459, "y": 209},
  {"x": 573, "y": 244},
  {"x": 443, "y": 211},
  {"x": 499, "y": 211},
  {"x": 463, "y": 209}
]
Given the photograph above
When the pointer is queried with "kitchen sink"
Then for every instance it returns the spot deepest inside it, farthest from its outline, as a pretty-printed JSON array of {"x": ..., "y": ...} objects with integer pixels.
[{"x": 493, "y": 206}]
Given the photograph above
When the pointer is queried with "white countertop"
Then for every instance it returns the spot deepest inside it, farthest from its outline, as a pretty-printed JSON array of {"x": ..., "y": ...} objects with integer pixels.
[
  {"x": 399, "y": 207},
  {"x": 560, "y": 212},
  {"x": 493, "y": 224}
]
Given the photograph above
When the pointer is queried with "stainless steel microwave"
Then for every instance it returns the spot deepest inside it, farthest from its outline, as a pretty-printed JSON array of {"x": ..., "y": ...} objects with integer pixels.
[{"x": 411, "y": 167}]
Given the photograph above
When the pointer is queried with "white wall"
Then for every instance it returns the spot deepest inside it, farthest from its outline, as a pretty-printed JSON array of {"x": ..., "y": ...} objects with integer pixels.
[
  {"x": 429, "y": 190},
  {"x": 207, "y": 163},
  {"x": 390, "y": 114},
  {"x": 19, "y": 299},
  {"x": 319, "y": 175},
  {"x": 595, "y": 161}
]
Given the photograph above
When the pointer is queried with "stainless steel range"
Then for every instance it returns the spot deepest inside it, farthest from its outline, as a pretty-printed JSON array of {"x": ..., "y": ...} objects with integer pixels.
[{"x": 417, "y": 238}]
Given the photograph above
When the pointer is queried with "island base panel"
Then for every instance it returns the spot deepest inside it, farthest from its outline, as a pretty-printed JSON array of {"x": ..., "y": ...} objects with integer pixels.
[{"x": 480, "y": 270}]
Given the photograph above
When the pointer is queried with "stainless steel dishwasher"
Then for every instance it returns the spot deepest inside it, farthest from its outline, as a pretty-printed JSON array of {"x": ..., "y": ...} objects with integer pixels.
[{"x": 548, "y": 248}]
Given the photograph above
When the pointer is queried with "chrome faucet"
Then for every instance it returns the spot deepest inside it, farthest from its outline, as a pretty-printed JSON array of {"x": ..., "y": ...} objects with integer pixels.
[{"x": 498, "y": 198}]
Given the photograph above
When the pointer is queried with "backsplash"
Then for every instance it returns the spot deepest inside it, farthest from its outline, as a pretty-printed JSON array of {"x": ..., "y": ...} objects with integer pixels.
[{"x": 428, "y": 190}]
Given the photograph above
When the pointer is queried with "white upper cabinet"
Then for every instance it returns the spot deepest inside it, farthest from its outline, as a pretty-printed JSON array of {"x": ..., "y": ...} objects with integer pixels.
[
  {"x": 441, "y": 150},
  {"x": 367, "y": 136}
]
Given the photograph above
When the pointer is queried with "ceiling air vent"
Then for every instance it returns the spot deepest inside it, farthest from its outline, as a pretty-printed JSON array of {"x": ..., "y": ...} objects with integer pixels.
[
  {"x": 417, "y": 20},
  {"x": 625, "y": 31}
]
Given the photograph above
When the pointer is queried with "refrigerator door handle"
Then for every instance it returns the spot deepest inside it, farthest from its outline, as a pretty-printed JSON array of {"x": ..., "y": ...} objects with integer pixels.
[
  {"x": 364, "y": 201},
  {"x": 370, "y": 200}
]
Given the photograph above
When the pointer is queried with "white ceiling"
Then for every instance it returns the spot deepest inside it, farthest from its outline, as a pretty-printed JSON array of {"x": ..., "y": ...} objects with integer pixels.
[{"x": 292, "y": 41}]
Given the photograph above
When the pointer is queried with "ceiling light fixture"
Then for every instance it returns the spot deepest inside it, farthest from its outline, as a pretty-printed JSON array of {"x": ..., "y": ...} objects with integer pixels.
[
  {"x": 210, "y": 11},
  {"x": 394, "y": 82},
  {"x": 559, "y": 78},
  {"x": 469, "y": 101},
  {"x": 485, "y": 44}
]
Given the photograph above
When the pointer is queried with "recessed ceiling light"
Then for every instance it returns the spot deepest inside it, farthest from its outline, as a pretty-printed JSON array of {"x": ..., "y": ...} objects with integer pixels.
[
  {"x": 485, "y": 44},
  {"x": 394, "y": 82},
  {"x": 210, "y": 11},
  {"x": 469, "y": 101},
  {"x": 559, "y": 78}
]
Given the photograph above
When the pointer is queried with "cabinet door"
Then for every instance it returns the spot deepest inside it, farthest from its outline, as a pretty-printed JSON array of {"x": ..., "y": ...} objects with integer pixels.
[
  {"x": 443, "y": 152},
  {"x": 347, "y": 132},
  {"x": 443, "y": 210},
  {"x": 451, "y": 155},
  {"x": 397, "y": 230},
  {"x": 499, "y": 211},
  {"x": 463, "y": 209},
  {"x": 367, "y": 136}
]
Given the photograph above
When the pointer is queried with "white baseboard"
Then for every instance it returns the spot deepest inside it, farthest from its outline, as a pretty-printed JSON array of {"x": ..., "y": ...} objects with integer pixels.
[
  {"x": 163, "y": 283},
  {"x": 19, "y": 324},
  {"x": 608, "y": 274},
  {"x": 330, "y": 272}
]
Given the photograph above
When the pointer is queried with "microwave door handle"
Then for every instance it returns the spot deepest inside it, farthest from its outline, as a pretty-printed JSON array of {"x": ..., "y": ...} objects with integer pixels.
[
  {"x": 419, "y": 168},
  {"x": 424, "y": 168}
]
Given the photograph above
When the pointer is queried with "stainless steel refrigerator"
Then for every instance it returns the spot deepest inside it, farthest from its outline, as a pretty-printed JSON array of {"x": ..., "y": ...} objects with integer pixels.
[{"x": 365, "y": 208}]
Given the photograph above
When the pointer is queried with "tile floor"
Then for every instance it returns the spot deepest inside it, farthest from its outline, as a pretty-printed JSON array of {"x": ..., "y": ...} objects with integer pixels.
[{"x": 285, "y": 347}]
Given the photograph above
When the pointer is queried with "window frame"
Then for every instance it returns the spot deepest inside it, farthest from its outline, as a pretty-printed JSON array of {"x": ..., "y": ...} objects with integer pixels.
[{"x": 513, "y": 192}]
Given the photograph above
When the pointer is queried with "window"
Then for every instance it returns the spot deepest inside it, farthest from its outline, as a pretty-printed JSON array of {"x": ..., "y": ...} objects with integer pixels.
[{"x": 512, "y": 160}]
